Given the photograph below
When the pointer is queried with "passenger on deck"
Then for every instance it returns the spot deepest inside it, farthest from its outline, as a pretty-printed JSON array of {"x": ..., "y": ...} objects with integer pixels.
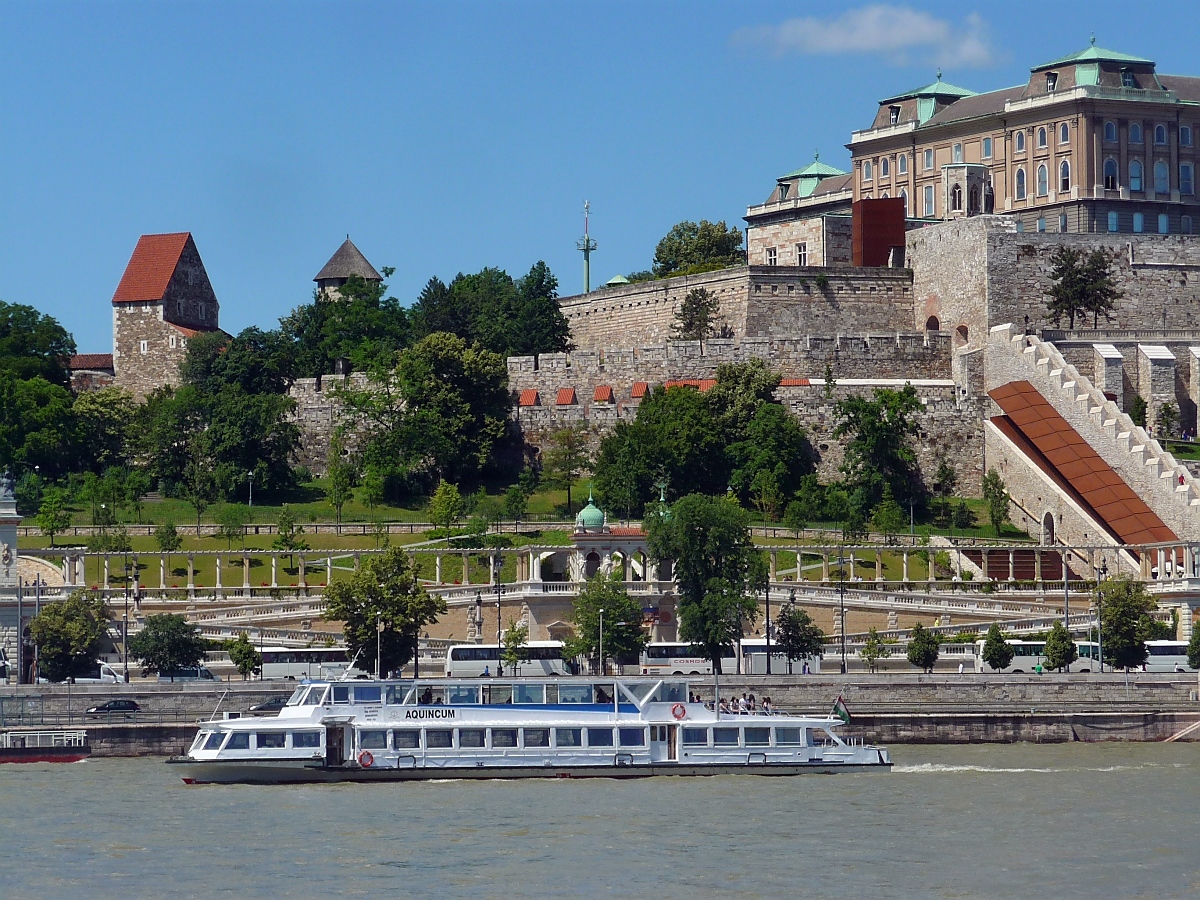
[
  {"x": 750, "y": 706},
  {"x": 426, "y": 697},
  {"x": 601, "y": 696}
]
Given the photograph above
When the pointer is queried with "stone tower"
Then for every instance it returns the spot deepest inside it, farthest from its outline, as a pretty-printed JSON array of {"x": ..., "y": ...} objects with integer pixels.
[{"x": 347, "y": 261}]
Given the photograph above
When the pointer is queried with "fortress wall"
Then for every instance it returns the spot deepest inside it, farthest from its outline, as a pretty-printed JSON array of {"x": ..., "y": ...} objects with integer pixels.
[{"x": 318, "y": 412}]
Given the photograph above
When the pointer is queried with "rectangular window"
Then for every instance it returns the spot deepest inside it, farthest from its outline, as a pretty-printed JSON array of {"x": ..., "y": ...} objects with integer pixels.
[
  {"x": 203, "y": 312},
  {"x": 772, "y": 256},
  {"x": 1041, "y": 223},
  {"x": 1113, "y": 221},
  {"x": 600, "y": 737},
  {"x": 893, "y": 115},
  {"x": 471, "y": 737},
  {"x": 1139, "y": 223},
  {"x": 695, "y": 737},
  {"x": 791, "y": 736},
  {"x": 341, "y": 693},
  {"x": 1051, "y": 82},
  {"x": 1020, "y": 227},
  {"x": 929, "y": 207},
  {"x": 1164, "y": 223},
  {"x": 802, "y": 254},
  {"x": 568, "y": 737},
  {"x": 987, "y": 148},
  {"x": 240, "y": 740},
  {"x": 504, "y": 737},
  {"x": 1185, "y": 224},
  {"x": 269, "y": 740},
  {"x": 372, "y": 740},
  {"x": 406, "y": 740},
  {"x": 958, "y": 157},
  {"x": 758, "y": 737},
  {"x": 928, "y": 159},
  {"x": 1062, "y": 222},
  {"x": 633, "y": 737},
  {"x": 439, "y": 739},
  {"x": 172, "y": 341},
  {"x": 537, "y": 737},
  {"x": 144, "y": 346},
  {"x": 725, "y": 737},
  {"x": 214, "y": 741},
  {"x": 1186, "y": 183},
  {"x": 783, "y": 190},
  {"x": 462, "y": 694},
  {"x": 368, "y": 694},
  {"x": 529, "y": 693},
  {"x": 1185, "y": 135},
  {"x": 574, "y": 693}
]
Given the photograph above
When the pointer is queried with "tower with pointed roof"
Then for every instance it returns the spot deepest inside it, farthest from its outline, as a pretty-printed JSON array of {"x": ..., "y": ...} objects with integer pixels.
[{"x": 348, "y": 260}]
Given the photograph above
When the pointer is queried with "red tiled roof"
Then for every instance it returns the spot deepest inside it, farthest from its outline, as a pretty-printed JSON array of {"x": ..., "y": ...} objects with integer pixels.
[
  {"x": 528, "y": 398},
  {"x": 626, "y": 531},
  {"x": 794, "y": 382},
  {"x": 566, "y": 397},
  {"x": 640, "y": 389},
  {"x": 90, "y": 361},
  {"x": 702, "y": 384},
  {"x": 603, "y": 394},
  {"x": 1062, "y": 453},
  {"x": 150, "y": 268}
]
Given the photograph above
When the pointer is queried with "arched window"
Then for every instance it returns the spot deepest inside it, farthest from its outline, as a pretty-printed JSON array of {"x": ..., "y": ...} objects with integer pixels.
[
  {"x": 884, "y": 167},
  {"x": 902, "y": 164},
  {"x": 963, "y": 333},
  {"x": 1042, "y": 137},
  {"x": 973, "y": 201},
  {"x": 867, "y": 170},
  {"x": 1110, "y": 131},
  {"x": 1064, "y": 133},
  {"x": 1162, "y": 181},
  {"x": 904, "y": 197},
  {"x": 884, "y": 195},
  {"x": 1110, "y": 174},
  {"x": 1043, "y": 182},
  {"x": 1160, "y": 134},
  {"x": 1135, "y": 175},
  {"x": 1019, "y": 141},
  {"x": 956, "y": 198},
  {"x": 1135, "y": 133},
  {"x": 1064, "y": 176},
  {"x": 1020, "y": 184},
  {"x": 932, "y": 324},
  {"x": 1185, "y": 135},
  {"x": 956, "y": 153}
]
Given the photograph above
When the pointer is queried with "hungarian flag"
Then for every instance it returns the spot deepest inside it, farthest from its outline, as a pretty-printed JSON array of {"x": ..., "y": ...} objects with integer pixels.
[{"x": 840, "y": 711}]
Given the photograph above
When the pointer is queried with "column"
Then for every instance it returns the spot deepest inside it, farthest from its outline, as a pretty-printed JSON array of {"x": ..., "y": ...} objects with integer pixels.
[
  {"x": 437, "y": 568},
  {"x": 1012, "y": 568},
  {"x": 274, "y": 570},
  {"x": 328, "y": 570},
  {"x": 983, "y": 558},
  {"x": 492, "y": 570},
  {"x": 824, "y": 568},
  {"x": 217, "y": 586},
  {"x": 1037, "y": 567},
  {"x": 357, "y": 561},
  {"x": 106, "y": 571},
  {"x": 774, "y": 565},
  {"x": 302, "y": 580},
  {"x": 466, "y": 575},
  {"x": 162, "y": 572},
  {"x": 904, "y": 557},
  {"x": 851, "y": 565},
  {"x": 246, "y": 572},
  {"x": 191, "y": 567}
]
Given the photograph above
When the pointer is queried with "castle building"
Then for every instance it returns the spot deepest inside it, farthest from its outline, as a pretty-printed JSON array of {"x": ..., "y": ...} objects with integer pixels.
[
  {"x": 805, "y": 221},
  {"x": 347, "y": 261},
  {"x": 1097, "y": 141},
  {"x": 163, "y": 299}
]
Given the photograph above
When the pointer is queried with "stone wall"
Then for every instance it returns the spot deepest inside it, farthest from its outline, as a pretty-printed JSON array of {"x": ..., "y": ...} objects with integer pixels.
[
  {"x": 827, "y": 239},
  {"x": 318, "y": 412},
  {"x": 146, "y": 350}
]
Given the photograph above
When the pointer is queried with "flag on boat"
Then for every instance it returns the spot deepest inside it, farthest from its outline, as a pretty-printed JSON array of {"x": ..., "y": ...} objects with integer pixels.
[{"x": 840, "y": 711}]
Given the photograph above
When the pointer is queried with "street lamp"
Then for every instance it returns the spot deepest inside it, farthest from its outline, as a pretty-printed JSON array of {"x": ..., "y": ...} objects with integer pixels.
[
  {"x": 125, "y": 625},
  {"x": 842, "y": 602},
  {"x": 1100, "y": 616},
  {"x": 250, "y": 475},
  {"x": 792, "y": 610},
  {"x": 602, "y": 640},
  {"x": 497, "y": 564},
  {"x": 768, "y": 626}
]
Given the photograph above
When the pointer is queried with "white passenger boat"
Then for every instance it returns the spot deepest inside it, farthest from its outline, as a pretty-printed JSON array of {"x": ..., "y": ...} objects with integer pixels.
[{"x": 521, "y": 728}]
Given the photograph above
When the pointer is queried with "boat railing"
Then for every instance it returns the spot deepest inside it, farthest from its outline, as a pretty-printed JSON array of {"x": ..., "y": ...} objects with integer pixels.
[{"x": 17, "y": 739}]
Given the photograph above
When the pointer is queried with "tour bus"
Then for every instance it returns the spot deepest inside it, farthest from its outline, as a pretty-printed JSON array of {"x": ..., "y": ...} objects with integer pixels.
[
  {"x": 1167, "y": 656},
  {"x": 539, "y": 658},
  {"x": 1029, "y": 655},
  {"x": 674, "y": 658},
  {"x": 754, "y": 660},
  {"x": 298, "y": 663}
]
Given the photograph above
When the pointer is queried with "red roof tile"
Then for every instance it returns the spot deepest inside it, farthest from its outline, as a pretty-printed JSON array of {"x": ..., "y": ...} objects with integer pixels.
[
  {"x": 639, "y": 390},
  {"x": 603, "y": 394},
  {"x": 626, "y": 531},
  {"x": 794, "y": 382},
  {"x": 566, "y": 397},
  {"x": 528, "y": 398},
  {"x": 702, "y": 384},
  {"x": 90, "y": 361},
  {"x": 150, "y": 268}
]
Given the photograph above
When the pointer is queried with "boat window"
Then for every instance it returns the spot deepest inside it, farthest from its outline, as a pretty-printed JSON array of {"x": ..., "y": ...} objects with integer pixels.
[
  {"x": 638, "y": 692},
  {"x": 471, "y": 737},
  {"x": 372, "y": 740},
  {"x": 504, "y": 737},
  {"x": 725, "y": 737},
  {"x": 695, "y": 737},
  {"x": 529, "y": 693},
  {"x": 239, "y": 740},
  {"x": 406, "y": 740},
  {"x": 633, "y": 737},
  {"x": 794, "y": 736},
  {"x": 269, "y": 740},
  {"x": 306, "y": 739},
  {"x": 200, "y": 739},
  {"x": 600, "y": 737},
  {"x": 214, "y": 741},
  {"x": 605, "y": 693},
  {"x": 368, "y": 693},
  {"x": 439, "y": 738},
  {"x": 574, "y": 693},
  {"x": 758, "y": 737},
  {"x": 315, "y": 696},
  {"x": 341, "y": 693},
  {"x": 462, "y": 694},
  {"x": 432, "y": 696},
  {"x": 497, "y": 693},
  {"x": 537, "y": 737},
  {"x": 568, "y": 737},
  {"x": 552, "y": 693},
  {"x": 294, "y": 700},
  {"x": 671, "y": 692}
]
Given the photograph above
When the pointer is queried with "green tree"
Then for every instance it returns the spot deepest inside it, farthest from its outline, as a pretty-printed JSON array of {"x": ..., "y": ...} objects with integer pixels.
[
  {"x": 691, "y": 247},
  {"x": 888, "y": 518},
  {"x": 372, "y": 488},
  {"x": 879, "y": 450},
  {"x": 516, "y": 646},
  {"x": 168, "y": 540},
  {"x": 289, "y": 537},
  {"x": 199, "y": 486},
  {"x": 946, "y": 479},
  {"x": 1125, "y": 607},
  {"x": 340, "y": 476},
  {"x": 567, "y": 458},
  {"x": 69, "y": 635},
  {"x": 771, "y": 443},
  {"x": 52, "y": 517},
  {"x": 1168, "y": 420},
  {"x": 795, "y": 517},
  {"x": 245, "y": 656},
  {"x": 445, "y": 506},
  {"x": 623, "y": 635},
  {"x": 1068, "y": 289},
  {"x": 797, "y": 635},
  {"x": 1060, "y": 649},
  {"x": 137, "y": 485},
  {"x": 697, "y": 316},
  {"x": 1138, "y": 411},
  {"x": 105, "y": 419},
  {"x": 997, "y": 652},
  {"x": 1193, "y": 649},
  {"x": 962, "y": 518},
  {"x": 716, "y": 567},
  {"x": 923, "y": 648},
  {"x": 37, "y": 426},
  {"x": 996, "y": 495},
  {"x": 232, "y": 519},
  {"x": 1100, "y": 287},
  {"x": 515, "y": 503},
  {"x": 384, "y": 590},
  {"x": 874, "y": 649},
  {"x": 33, "y": 345},
  {"x": 167, "y": 642}
]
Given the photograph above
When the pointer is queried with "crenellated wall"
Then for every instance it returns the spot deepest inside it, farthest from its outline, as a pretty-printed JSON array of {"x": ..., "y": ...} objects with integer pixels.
[{"x": 318, "y": 412}]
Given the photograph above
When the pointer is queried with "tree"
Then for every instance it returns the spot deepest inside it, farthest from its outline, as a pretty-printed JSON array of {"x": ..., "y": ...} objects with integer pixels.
[
  {"x": 1100, "y": 287},
  {"x": 33, "y": 345},
  {"x": 691, "y": 247},
  {"x": 340, "y": 477},
  {"x": 137, "y": 485},
  {"x": 288, "y": 535},
  {"x": 1168, "y": 419},
  {"x": 874, "y": 649},
  {"x": 69, "y": 635},
  {"x": 1125, "y": 607},
  {"x": 1193, "y": 649},
  {"x": 384, "y": 590},
  {"x": 1060, "y": 649},
  {"x": 795, "y": 517},
  {"x": 516, "y": 646},
  {"x": 232, "y": 519},
  {"x": 879, "y": 450},
  {"x": 245, "y": 656},
  {"x": 1082, "y": 283},
  {"x": 888, "y": 518},
  {"x": 37, "y": 426},
  {"x": 105, "y": 420},
  {"x": 996, "y": 495},
  {"x": 923, "y": 648},
  {"x": 373, "y": 487},
  {"x": 962, "y": 518},
  {"x": 515, "y": 503},
  {"x": 567, "y": 458},
  {"x": 997, "y": 652},
  {"x": 697, "y": 316},
  {"x": 623, "y": 635},
  {"x": 770, "y": 441},
  {"x": 199, "y": 486},
  {"x": 52, "y": 517},
  {"x": 445, "y": 506},
  {"x": 168, "y": 540},
  {"x": 946, "y": 480},
  {"x": 716, "y": 566},
  {"x": 1138, "y": 410},
  {"x": 167, "y": 642},
  {"x": 797, "y": 635}
]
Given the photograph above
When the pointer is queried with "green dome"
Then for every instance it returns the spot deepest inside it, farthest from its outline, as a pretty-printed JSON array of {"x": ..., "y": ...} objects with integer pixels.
[{"x": 589, "y": 517}]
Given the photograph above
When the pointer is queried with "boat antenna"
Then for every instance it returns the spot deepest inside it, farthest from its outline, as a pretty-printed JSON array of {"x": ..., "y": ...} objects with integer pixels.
[
  {"x": 346, "y": 671},
  {"x": 220, "y": 700}
]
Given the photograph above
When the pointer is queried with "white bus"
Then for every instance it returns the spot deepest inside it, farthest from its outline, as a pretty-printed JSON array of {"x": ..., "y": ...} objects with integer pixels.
[
  {"x": 754, "y": 660},
  {"x": 1167, "y": 656},
  {"x": 674, "y": 658},
  {"x": 542, "y": 658},
  {"x": 298, "y": 663},
  {"x": 1029, "y": 655}
]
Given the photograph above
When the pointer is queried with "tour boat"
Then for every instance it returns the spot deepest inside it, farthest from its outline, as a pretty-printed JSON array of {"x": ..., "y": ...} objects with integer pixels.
[
  {"x": 29, "y": 746},
  {"x": 521, "y": 728}
]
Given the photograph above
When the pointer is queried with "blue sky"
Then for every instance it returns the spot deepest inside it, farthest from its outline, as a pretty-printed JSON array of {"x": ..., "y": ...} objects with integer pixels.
[{"x": 446, "y": 137}]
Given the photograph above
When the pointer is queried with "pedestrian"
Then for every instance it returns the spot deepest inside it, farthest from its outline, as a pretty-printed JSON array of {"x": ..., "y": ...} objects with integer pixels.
[
  {"x": 805, "y": 670},
  {"x": 486, "y": 673},
  {"x": 960, "y": 668}
]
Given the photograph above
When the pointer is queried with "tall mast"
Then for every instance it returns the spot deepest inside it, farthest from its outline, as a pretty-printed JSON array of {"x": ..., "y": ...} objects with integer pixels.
[{"x": 587, "y": 245}]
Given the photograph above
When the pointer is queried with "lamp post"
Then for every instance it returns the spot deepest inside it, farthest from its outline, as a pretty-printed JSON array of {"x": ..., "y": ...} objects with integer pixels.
[
  {"x": 768, "y": 625},
  {"x": 250, "y": 475},
  {"x": 1100, "y": 616},
  {"x": 497, "y": 564},
  {"x": 602, "y": 640},
  {"x": 842, "y": 602},
  {"x": 791, "y": 609},
  {"x": 1066, "y": 598},
  {"x": 478, "y": 617},
  {"x": 21, "y": 631},
  {"x": 125, "y": 625},
  {"x": 378, "y": 643}
]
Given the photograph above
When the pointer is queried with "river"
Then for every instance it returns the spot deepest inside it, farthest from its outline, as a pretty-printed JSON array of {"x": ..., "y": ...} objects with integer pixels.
[{"x": 995, "y": 821}]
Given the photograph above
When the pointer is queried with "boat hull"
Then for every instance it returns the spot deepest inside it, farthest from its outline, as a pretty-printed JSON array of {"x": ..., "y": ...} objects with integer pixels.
[{"x": 43, "y": 754}]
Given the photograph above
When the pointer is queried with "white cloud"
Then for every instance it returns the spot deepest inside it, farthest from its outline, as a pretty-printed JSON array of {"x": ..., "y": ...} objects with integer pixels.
[{"x": 899, "y": 34}]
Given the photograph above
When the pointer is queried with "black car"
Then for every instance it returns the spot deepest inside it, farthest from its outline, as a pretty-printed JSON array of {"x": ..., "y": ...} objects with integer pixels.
[
  {"x": 274, "y": 705},
  {"x": 112, "y": 707}
]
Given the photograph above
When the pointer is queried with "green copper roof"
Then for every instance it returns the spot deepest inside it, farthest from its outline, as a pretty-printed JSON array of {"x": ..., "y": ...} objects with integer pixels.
[
  {"x": 1095, "y": 54},
  {"x": 589, "y": 516},
  {"x": 937, "y": 88},
  {"x": 618, "y": 279},
  {"x": 816, "y": 169}
]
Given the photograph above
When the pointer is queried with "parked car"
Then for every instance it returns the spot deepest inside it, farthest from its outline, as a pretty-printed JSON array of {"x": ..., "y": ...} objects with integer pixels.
[
  {"x": 187, "y": 673},
  {"x": 274, "y": 705},
  {"x": 114, "y": 707}
]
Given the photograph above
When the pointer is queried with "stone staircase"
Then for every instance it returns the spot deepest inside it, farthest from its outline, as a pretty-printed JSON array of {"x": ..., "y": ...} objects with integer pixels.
[{"x": 1168, "y": 487}]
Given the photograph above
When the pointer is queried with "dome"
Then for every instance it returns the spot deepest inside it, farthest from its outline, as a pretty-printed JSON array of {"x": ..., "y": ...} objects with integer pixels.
[{"x": 590, "y": 518}]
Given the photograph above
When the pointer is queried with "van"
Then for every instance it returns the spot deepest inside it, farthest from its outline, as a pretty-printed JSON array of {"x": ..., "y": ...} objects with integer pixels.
[
  {"x": 100, "y": 673},
  {"x": 187, "y": 673}
]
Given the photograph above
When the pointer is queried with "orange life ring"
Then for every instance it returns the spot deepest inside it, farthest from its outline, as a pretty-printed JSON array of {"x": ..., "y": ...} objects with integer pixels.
[
  {"x": 365, "y": 759},
  {"x": 679, "y": 711}
]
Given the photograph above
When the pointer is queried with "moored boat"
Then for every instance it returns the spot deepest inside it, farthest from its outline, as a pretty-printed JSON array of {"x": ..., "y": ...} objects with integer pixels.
[
  {"x": 28, "y": 746},
  {"x": 521, "y": 728}
]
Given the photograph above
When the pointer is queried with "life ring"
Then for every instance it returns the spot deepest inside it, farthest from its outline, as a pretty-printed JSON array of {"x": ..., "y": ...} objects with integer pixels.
[
  {"x": 679, "y": 711},
  {"x": 365, "y": 759}
]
